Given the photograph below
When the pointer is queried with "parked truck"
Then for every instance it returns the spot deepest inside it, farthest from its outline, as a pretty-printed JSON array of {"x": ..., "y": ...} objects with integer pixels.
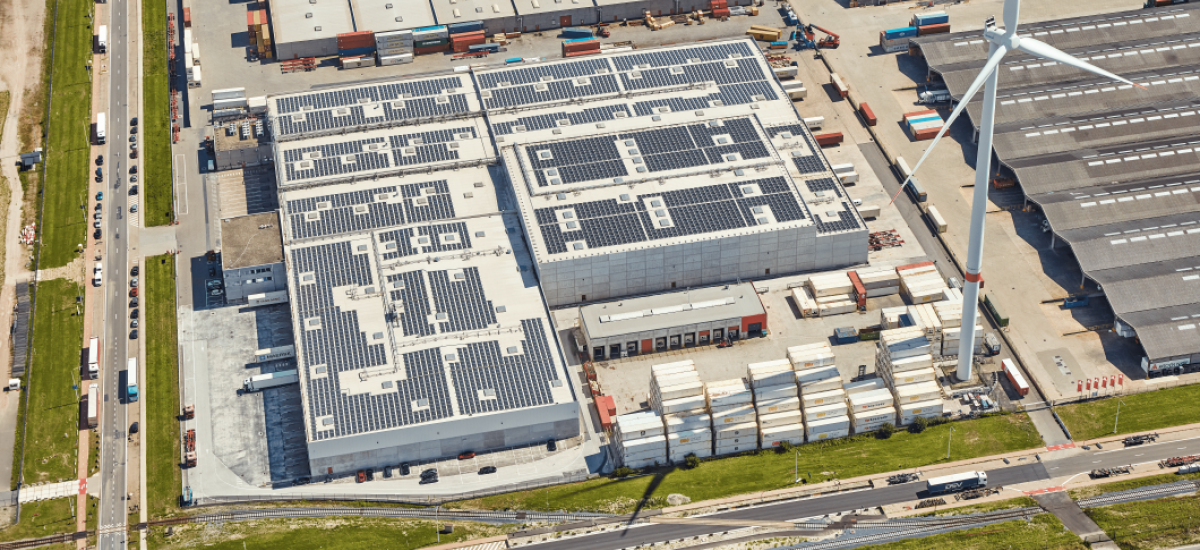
[
  {"x": 94, "y": 358},
  {"x": 956, "y": 482},
  {"x": 264, "y": 381},
  {"x": 102, "y": 39},
  {"x": 131, "y": 379},
  {"x": 93, "y": 405},
  {"x": 100, "y": 129}
]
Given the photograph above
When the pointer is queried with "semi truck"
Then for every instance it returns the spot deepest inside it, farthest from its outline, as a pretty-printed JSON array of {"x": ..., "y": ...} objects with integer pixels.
[
  {"x": 102, "y": 39},
  {"x": 93, "y": 397},
  {"x": 264, "y": 381},
  {"x": 956, "y": 482},
  {"x": 100, "y": 129},
  {"x": 131, "y": 380},
  {"x": 94, "y": 358}
]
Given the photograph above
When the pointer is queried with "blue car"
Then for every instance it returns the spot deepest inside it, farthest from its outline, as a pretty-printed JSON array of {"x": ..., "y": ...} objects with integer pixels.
[{"x": 100, "y": 196}]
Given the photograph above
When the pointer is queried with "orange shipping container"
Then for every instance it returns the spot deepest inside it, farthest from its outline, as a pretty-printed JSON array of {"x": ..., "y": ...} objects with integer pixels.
[
  {"x": 832, "y": 138},
  {"x": 868, "y": 114},
  {"x": 928, "y": 133},
  {"x": 583, "y": 52},
  {"x": 187, "y": 18}
]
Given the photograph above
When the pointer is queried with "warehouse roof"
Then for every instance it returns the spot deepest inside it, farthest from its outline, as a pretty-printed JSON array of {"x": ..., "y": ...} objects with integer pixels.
[
  {"x": 1087, "y": 168},
  {"x": 304, "y": 20},
  {"x": 1092, "y": 130},
  {"x": 1064, "y": 34},
  {"x": 1118, "y": 203},
  {"x": 1136, "y": 242},
  {"x": 1167, "y": 332},
  {"x": 251, "y": 240},
  {"x": 1097, "y": 94},
  {"x": 420, "y": 323},
  {"x": 675, "y": 309},
  {"x": 551, "y": 7},
  {"x": 1152, "y": 286},
  {"x": 393, "y": 15},
  {"x": 463, "y": 11}
]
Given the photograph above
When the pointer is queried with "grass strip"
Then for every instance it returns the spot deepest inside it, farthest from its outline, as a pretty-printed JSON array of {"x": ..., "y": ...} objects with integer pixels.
[
  {"x": 1140, "y": 412},
  {"x": 163, "y": 476},
  {"x": 53, "y": 430},
  {"x": 1118, "y": 484},
  {"x": 1151, "y": 524},
  {"x": 156, "y": 117},
  {"x": 335, "y": 533},
  {"x": 984, "y": 507},
  {"x": 768, "y": 469}
]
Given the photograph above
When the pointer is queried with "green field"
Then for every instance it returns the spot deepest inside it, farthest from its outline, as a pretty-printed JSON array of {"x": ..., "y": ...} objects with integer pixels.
[
  {"x": 1019, "y": 502},
  {"x": 767, "y": 470},
  {"x": 52, "y": 436},
  {"x": 1127, "y": 484},
  {"x": 1151, "y": 524},
  {"x": 1140, "y": 412},
  {"x": 156, "y": 117},
  {"x": 162, "y": 377},
  {"x": 349, "y": 533},
  {"x": 45, "y": 518},
  {"x": 64, "y": 223},
  {"x": 1044, "y": 532}
]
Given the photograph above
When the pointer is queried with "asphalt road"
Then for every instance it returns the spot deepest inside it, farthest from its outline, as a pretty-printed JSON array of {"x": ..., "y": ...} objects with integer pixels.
[
  {"x": 114, "y": 422},
  {"x": 1113, "y": 455}
]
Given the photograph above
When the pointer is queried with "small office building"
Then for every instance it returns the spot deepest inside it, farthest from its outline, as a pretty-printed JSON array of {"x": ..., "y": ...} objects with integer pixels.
[
  {"x": 676, "y": 320},
  {"x": 252, "y": 256}
]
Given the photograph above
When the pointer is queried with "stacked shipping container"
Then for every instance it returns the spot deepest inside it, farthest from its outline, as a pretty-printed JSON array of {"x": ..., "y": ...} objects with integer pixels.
[
  {"x": 734, "y": 422},
  {"x": 896, "y": 40},
  {"x": 777, "y": 402},
  {"x": 356, "y": 44},
  {"x": 394, "y": 48},
  {"x": 833, "y": 293},
  {"x": 431, "y": 40},
  {"x": 259, "y": 30},
  {"x": 921, "y": 283},
  {"x": 640, "y": 439},
  {"x": 677, "y": 394},
  {"x": 923, "y": 124},
  {"x": 580, "y": 46}
]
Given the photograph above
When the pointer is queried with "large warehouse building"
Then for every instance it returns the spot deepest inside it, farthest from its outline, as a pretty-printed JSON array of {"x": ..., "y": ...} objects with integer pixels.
[
  {"x": 420, "y": 309},
  {"x": 706, "y": 195},
  {"x": 1115, "y": 169}
]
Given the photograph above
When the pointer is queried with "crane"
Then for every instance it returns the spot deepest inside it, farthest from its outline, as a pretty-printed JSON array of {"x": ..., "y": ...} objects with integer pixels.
[{"x": 832, "y": 41}]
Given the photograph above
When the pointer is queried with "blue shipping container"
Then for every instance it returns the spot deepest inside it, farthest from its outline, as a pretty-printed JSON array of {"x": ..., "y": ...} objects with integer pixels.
[
  {"x": 914, "y": 121},
  {"x": 512, "y": 60},
  {"x": 779, "y": 43},
  {"x": 900, "y": 33},
  {"x": 354, "y": 52},
  {"x": 1076, "y": 301},
  {"x": 456, "y": 28},
  {"x": 493, "y": 47},
  {"x": 588, "y": 39},
  {"x": 576, "y": 32},
  {"x": 433, "y": 28},
  {"x": 931, "y": 19}
]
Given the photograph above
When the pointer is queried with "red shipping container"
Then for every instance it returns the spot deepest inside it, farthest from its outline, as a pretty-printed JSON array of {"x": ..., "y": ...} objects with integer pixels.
[
  {"x": 721, "y": 12},
  {"x": 1014, "y": 377},
  {"x": 832, "y": 138},
  {"x": 462, "y": 35},
  {"x": 919, "y": 113},
  {"x": 859, "y": 290},
  {"x": 249, "y": 18},
  {"x": 586, "y": 48},
  {"x": 187, "y": 18},
  {"x": 466, "y": 43},
  {"x": 912, "y": 266},
  {"x": 355, "y": 40},
  {"x": 868, "y": 114},
  {"x": 933, "y": 29},
  {"x": 431, "y": 49},
  {"x": 581, "y": 46},
  {"x": 605, "y": 419},
  {"x": 584, "y": 52},
  {"x": 717, "y": 4},
  {"x": 928, "y": 133}
]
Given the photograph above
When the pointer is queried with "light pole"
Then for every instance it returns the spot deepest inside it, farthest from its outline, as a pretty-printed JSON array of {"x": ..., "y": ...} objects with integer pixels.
[
  {"x": 948, "y": 439},
  {"x": 437, "y": 526},
  {"x": 1118, "y": 418},
  {"x": 796, "y": 467}
]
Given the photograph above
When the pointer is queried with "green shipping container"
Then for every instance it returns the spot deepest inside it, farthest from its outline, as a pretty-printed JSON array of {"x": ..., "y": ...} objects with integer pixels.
[
  {"x": 1000, "y": 318},
  {"x": 427, "y": 43}
]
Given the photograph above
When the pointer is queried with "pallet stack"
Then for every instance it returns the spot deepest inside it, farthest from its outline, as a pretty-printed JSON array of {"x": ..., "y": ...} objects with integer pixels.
[
  {"x": 394, "y": 48},
  {"x": 640, "y": 439},
  {"x": 734, "y": 422},
  {"x": 921, "y": 283},
  {"x": 777, "y": 402}
]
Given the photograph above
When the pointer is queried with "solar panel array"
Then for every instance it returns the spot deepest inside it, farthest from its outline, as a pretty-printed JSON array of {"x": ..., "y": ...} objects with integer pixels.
[
  {"x": 682, "y": 56},
  {"x": 376, "y": 153},
  {"x": 805, "y": 164},
  {"x": 428, "y": 240},
  {"x": 414, "y": 99},
  {"x": 695, "y": 211},
  {"x": 730, "y": 71},
  {"x": 824, "y": 184},
  {"x": 847, "y": 221},
  {"x": 547, "y": 121},
  {"x": 672, "y": 148},
  {"x": 460, "y": 297},
  {"x": 551, "y": 82},
  {"x": 518, "y": 380},
  {"x": 427, "y": 201}
]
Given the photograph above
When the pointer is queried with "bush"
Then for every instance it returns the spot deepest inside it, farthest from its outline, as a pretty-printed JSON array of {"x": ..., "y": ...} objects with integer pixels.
[
  {"x": 918, "y": 425},
  {"x": 885, "y": 431},
  {"x": 691, "y": 461},
  {"x": 938, "y": 421},
  {"x": 786, "y": 446},
  {"x": 624, "y": 471}
]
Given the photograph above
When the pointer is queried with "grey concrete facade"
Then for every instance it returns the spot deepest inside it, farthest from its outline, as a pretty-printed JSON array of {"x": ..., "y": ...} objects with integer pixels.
[
  {"x": 242, "y": 282},
  {"x": 442, "y": 439},
  {"x": 535, "y": 15},
  {"x": 728, "y": 259}
]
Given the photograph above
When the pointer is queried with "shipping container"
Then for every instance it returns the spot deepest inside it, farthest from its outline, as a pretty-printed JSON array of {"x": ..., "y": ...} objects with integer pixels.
[
  {"x": 903, "y": 32},
  {"x": 832, "y": 423},
  {"x": 934, "y": 29},
  {"x": 826, "y": 411},
  {"x": 817, "y": 399},
  {"x": 93, "y": 405},
  {"x": 997, "y": 314},
  {"x": 867, "y": 114},
  {"x": 187, "y": 18},
  {"x": 430, "y": 42},
  {"x": 825, "y": 140},
  {"x": 931, "y": 18},
  {"x": 576, "y": 32},
  {"x": 870, "y": 400},
  {"x": 465, "y": 27},
  {"x": 834, "y": 434},
  {"x": 94, "y": 357},
  {"x": 814, "y": 122},
  {"x": 786, "y": 418},
  {"x": 430, "y": 49},
  {"x": 778, "y": 405},
  {"x": 735, "y": 431},
  {"x": 838, "y": 85},
  {"x": 357, "y": 52},
  {"x": 1014, "y": 377},
  {"x": 938, "y": 221}
]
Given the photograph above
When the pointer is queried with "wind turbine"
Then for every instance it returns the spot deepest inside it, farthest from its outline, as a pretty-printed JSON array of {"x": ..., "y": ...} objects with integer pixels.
[{"x": 1000, "y": 42}]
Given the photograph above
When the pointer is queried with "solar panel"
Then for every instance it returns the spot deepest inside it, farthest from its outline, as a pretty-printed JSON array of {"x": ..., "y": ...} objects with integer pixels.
[
  {"x": 367, "y": 209},
  {"x": 397, "y": 102}
]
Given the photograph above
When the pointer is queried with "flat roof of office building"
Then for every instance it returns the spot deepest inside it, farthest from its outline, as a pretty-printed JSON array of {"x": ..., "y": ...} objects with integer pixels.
[
  {"x": 251, "y": 240},
  {"x": 673, "y": 309}
]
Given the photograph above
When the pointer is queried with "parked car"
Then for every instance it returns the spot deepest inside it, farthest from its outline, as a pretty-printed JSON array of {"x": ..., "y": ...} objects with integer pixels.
[
  {"x": 133, "y": 121},
  {"x": 432, "y": 472},
  {"x": 487, "y": 470},
  {"x": 99, "y": 160},
  {"x": 466, "y": 455},
  {"x": 133, "y": 428},
  {"x": 387, "y": 471},
  {"x": 133, "y": 323},
  {"x": 428, "y": 480},
  {"x": 370, "y": 474},
  {"x": 551, "y": 445},
  {"x": 133, "y": 189},
  {"x": 133, "y": 281},
  {"x": 133, "y": 314},
  {"x": 133, "y": 302},
  {"x": 361, "y": 477},
  {"x": 404, "y": 469},
  {"x": 133, "y": 169},
  {"x": 133, "y": 334},
  {"x": 134, "y": 271},
  {"x": 100, "y": 196},
  {"x": 133, "y": 292}
]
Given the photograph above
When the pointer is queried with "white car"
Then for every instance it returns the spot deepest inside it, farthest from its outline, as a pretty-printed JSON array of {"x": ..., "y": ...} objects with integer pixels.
[{"x": 98, "y": 274}]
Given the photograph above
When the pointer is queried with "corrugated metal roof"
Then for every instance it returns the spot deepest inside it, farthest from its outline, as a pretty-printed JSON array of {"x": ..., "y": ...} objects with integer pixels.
[
  {"x": 1106, "y": 205},
  {"x": 1091, "y": 167},
  {"x": 1167, "y": 332},
  {"x": 1094, "y": 130},
  {"x": 1167, "y": 288},
  {"x": 1136, "y": 242}
]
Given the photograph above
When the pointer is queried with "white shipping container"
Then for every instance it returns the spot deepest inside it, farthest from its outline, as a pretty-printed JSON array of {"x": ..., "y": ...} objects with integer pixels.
[
  {"x": 775, "y": 441},
  {"x": 864, "y": 385},
  {"x": 834, "y": 434},
  {"x": 827, "y": 424},
  {"x": 400, "y": 59},
  {"x": 933, "y": 407},
  {"x": 731, "y": 400},
  {"x": 660, "y": 380},
  {"x": 229, "y": 104},
  {"x": 915, "y": 362},
  {"x": 782, "y": 431},
  {"x": 810, "y": 360},
  {"x": 868, "y": 400},
  {"x": 814, "y": 122},
  {"x": 811, "y": 400},
  {"x": 839, "y": 308},
  {"x": 843, "y": 168},
  {"x": 925, "y": 296},
  {"x": 680, "y": 457},
  {"x": 834, "y": 298},
  {"x": 677, "y": 366},
  {"x": 633, "y": 446},
  {"x": 797, "y": 93},
  {"x": 816, "y": 375},
  {"x": 833, "y": 383},
  {"x": 723, "y": 388},
  {"x": 870, "y": 427},
  {"x": 914, "y": 376},
  {"x": 689, "y": 389},
  {"x": 786, "y": 72},
  {"x": 826, "y": 411},
  {"x": 915, "y": 393},
  {"x": 736, "y": 416},
  {"x": 656, "y": 454},
  {"x": 778, "y": 405},
  {"x": 804, "y": 301},
  {"x": 694, "y": 404},
  {"x": 683, "y": 423},
  {"x": 848, "y": 178},
  {"x": 779, "y": 419},
  {"x": 687, "y": 438},
  {"x": 229, "y": 93},
  {"x": 734, "y": 431},
  {"x": 882, "y": 291},
  {"x": 736, "y": 448},
  {"x": 875, "y": 416},
  {"x": 896, "y": 355},
  {"x": 646, "y": 463},
  {"x": 819, "y": 347},
  {"x": 768, "y": 367},
  {"x": 771, "y": 393}
]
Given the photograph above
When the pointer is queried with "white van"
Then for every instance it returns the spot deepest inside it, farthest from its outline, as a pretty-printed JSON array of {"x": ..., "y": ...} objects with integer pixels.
[{"x": 98, "y": 274}]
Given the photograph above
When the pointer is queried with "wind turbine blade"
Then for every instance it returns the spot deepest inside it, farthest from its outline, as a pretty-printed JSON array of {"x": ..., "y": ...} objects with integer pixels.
[
  {"x": 990, "y": 66},
  {"x": 1042, "y": 49},
  {"x": 1012, "y": 8}
]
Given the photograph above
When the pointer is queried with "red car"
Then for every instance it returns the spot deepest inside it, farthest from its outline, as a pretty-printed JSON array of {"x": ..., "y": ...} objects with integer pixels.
[
  {"x": 133, "y": 291},
  {"x": 466, "y": 455},
  {"x": 362, "y": 476}
]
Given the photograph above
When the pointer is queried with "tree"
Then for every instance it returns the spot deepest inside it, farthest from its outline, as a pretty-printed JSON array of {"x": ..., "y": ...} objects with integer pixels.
[
  {"x": 918, "y": 425},
  {"x": 885, "y": 431}
]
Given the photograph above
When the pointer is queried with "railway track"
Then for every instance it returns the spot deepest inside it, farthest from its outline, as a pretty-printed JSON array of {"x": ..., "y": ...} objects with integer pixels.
[
  {"x": 1157, "y": 491},
  {"x": 414, "y": 513},
  {"x": 907, "y": 528}
]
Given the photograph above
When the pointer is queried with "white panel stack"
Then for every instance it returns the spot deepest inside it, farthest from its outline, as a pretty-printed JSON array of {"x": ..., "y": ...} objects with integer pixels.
[
  {"x": 889, "y": 317},
  {"x": 675, "y": 388},
  {"x": 778, "y": 405},
  {"x": 879, "y": 281},
  {"x": 805, "y": 301},
  {"x": 739, "y": 414},
  {"x": 640, "y": 439},
  {"x": 770, "y": 373},
  {"x": 926, "y": 409},
  {"x": 775, "y": 436},
  {"x": 922, "y": 284},
  {"x": 951, "y": 340},
  {"x": 916, "y": 393},
  {"x": 687, "y": 435},
  {"x": 830, "y": 285},
  {"x": 864, "y": 385},
  {"x": 727, "y": 395},
  {"x": 901, "y": 378},
  {"x": 903, "y": 349},
  {"x": 817, "y": 399},
  {"x": 811, "y": 355},
  {"x": 869, "y": 401},
  {"x": 818, "y": 379},
  {"x": 871, "y": 421},
  {"x": 735, "y": 438},
  {"x": 950, "y": 312},
  {"x": 828, "y": 428},
  {"x": 826, "y": 411}
]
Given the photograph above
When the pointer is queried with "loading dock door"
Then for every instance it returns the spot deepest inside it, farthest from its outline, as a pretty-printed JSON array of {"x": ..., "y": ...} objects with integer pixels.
[
  {"x": 564, "y": 21},
  {"x": 755, "y": 329},
  {"x": 647, "y": 345}
]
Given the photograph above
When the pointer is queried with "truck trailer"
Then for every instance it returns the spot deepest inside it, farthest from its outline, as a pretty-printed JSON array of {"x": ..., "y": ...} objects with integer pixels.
[
  {"x": 93, "y": 405},
  {"x": 956, "y": 482},
  {"x": 94, "y": 358},
  {"x": 263, "y": 381}
]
